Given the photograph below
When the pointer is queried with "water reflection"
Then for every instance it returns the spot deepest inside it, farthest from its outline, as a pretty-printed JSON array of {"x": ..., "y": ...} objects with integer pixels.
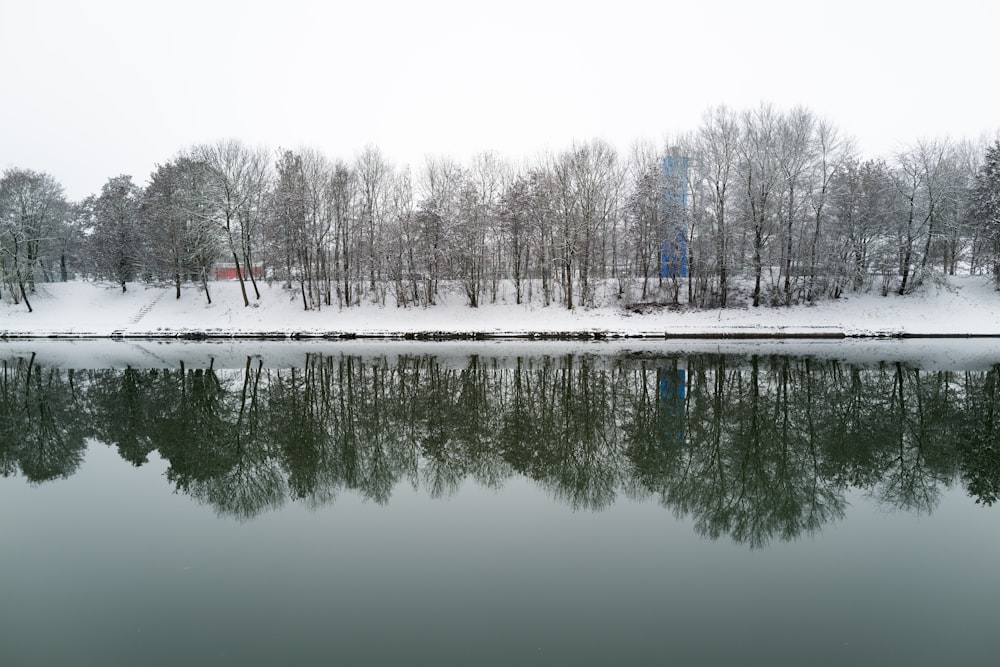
[
  {"x": 42, "y": 421},
  {"x": 753, "y": 448}
]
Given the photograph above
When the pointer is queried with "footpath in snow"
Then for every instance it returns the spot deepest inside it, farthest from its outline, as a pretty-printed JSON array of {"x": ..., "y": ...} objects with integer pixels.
[{"x": 956, "y": 306}]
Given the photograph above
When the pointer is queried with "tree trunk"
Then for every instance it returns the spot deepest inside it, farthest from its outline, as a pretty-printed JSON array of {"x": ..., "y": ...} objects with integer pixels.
[
  {"x": 239, "y": 275},
  {"x": 24, "y": 295},
  {"x": 758, "y": 244},
  {"x": 249, "y": 269},
  {"x": 905, "y": 271}
]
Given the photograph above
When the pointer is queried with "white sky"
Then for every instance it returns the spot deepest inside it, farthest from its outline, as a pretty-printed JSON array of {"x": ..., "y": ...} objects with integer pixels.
[{"x": 92, "y": 89}]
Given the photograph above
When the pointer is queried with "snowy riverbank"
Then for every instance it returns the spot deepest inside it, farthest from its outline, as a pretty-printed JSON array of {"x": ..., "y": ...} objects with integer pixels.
[{"x": 957, "y": 306}]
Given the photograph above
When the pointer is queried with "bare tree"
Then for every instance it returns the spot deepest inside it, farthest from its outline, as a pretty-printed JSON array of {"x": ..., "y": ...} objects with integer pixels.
[
  {"x": 861, "y": 210},
  {"x": 301, "y": 223},
  {"x": 585, "y": 186},
  {"x": 287, "y": 222},
  {"x": 717, "y": 143},
  {"x": 374, "y": 182},
  {"x": 239, "y": 177},
  {"x": 830, "y": 154},
  {"x": 518, "y": 230},
  {"x": 797, "y": 152},
  {"x": 920, "y": 180},
  {"x": 645, "y": 217},
  {"x": 400, "y": 247},
  {"x": 761, "y": 166},
  {"x": 439, "y": 190},
  {"x": 476, "y": 231},
  {"x": 344, "y": 203}
]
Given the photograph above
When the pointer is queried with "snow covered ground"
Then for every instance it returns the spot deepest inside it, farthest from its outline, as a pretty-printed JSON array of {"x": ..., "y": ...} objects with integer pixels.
[{"x": 956, "y": 306}]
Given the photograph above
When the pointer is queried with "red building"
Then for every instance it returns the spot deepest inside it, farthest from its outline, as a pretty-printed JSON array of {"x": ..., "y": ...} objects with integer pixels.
[{"x": 228, "y": 271}]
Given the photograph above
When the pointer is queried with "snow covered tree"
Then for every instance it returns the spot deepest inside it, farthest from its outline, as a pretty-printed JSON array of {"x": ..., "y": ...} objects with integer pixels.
[
  {"x": 33, "y": 212},
  {"x": 183, "y": 244},
  {"x": 922, "y": 181},
  {"x": 645, "y": 214},
  {"x": 116, "y": 241},
  {"x": 286, "y": 228},
  {"x": 399, "y": 251},
  {"x": 519, "y": 229},
  {"x": 584, "y": 190},
  {"x": 831, "y": 152},
  {"x": 238, "y": 179},
  {"x": 374, "y": 184},
  {"x": 476, "y": 237},
  {"x": 986, "y": 204},
  {"x": 301, "y": 227},
  {"x": 162, "y": 211},
  {"x": 959, "y": 237},
  {"x": 761, "y": 165},
  {"x": 317, "y": 199},
  {"x": 346, "y": 232},
  {"x": 861, "y": 208},
  {"x": 715, "y": 171},
  {"x": 439, "y": 187},
  {"x": 797, "y": 152}
]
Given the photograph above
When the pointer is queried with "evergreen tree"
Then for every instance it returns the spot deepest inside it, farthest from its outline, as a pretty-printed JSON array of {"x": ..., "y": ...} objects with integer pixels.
[{"x": 986, "y": 204}]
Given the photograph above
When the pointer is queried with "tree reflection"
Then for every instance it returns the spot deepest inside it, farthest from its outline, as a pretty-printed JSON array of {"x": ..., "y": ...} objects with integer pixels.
[
  {"x": 979, "y": 453},
  {"x": 753, "y": 449},
  {"x": 193, "y": 435},
  {"x": 562, "y": 430},
  {"x": 126, "y": 407},
  {"x": 41, "y": 423},
  {"x": 754, "y": 469}
]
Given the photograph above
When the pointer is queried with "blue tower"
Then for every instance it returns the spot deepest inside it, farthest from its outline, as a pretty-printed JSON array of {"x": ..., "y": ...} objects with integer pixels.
[{"x": 673, "y": 248}]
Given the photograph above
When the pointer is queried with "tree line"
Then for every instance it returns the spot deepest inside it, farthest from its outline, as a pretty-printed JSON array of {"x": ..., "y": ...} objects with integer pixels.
[
  {"x": 772, "y": 207},
  {"x": 751, "y": 447}
]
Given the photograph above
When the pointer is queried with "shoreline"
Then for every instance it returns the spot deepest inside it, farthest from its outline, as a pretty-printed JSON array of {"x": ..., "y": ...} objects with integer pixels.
[
  {"x": 960, "y": 307},
  {"x": 432, "y": 336}
]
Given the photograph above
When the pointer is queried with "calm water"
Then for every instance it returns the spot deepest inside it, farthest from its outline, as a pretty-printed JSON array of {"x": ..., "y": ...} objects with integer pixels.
[{"x": 497, "y": 508}]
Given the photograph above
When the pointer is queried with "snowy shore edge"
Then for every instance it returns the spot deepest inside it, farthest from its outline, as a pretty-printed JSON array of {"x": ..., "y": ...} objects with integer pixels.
[
  {"x": 956, "y": 307},
  {"x": 485, "y": 336}
]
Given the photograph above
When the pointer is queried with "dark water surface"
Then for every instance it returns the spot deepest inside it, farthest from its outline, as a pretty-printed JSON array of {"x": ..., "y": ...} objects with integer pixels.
[{"x": 490, "y": 507}]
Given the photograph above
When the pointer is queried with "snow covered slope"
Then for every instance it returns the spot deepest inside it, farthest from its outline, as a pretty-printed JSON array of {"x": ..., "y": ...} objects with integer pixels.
[{"x": 959, "y": 306}]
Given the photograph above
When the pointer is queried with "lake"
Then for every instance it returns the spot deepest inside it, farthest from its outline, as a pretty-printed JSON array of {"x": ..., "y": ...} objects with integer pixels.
[{"x": 499, "y": 503}]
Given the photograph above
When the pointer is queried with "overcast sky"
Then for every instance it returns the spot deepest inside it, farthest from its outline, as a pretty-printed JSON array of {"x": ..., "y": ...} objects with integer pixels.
[{"x": 92, "y": 89}]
